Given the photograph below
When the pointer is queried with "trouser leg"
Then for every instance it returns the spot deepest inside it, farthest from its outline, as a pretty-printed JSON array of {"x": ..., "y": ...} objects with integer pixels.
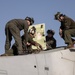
[
  {"x": 15, "y": 51},
  {"x": 16, "y": 34},
  {"x": 68, "y": 34},
  {"x": 8, "y": 39}
]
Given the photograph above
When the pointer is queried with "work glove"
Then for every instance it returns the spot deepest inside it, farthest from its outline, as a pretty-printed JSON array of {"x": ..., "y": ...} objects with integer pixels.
[{"x": 39, "y": 47}]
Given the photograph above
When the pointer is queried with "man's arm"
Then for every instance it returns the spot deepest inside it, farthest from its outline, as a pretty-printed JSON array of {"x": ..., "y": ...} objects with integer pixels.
[
  {"x": 35, "y": 44},
  {"x": 26, "y": 32},
  {"x": 68, "y": 23}
]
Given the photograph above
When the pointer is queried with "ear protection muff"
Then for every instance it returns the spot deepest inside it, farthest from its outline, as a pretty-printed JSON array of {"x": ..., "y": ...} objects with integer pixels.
[
  {"x": 32, "y": 30},
  {"x": 30, "y": 19}
]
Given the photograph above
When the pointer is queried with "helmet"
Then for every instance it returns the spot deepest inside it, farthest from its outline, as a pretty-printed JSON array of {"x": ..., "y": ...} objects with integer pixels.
[
  {"x": 58, "y": 15},
  {"x": 30, "y": 19},
  {"x": 32, "y": 30},
  {"x": 50, "y": 32}
]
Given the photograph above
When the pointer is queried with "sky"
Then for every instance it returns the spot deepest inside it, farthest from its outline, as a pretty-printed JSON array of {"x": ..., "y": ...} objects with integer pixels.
[{"x": 42, "y": 11}]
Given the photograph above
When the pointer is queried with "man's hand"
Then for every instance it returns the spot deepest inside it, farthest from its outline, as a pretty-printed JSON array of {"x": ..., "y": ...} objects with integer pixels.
[
  {"x": 28, "y": 44},
  {"x": 39, "y": 47}
]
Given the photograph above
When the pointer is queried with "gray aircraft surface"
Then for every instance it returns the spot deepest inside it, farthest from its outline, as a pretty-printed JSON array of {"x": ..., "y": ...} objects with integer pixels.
[{"x": 58, "y": 61}]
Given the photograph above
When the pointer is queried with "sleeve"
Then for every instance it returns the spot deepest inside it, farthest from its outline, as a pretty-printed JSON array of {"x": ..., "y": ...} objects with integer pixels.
[
  {"x": 47, "y": 38},
  {"x": 62, "y": 26},
  {"x": 26, "y": 31},
  {"x": 31, "y": 41},
  {"x": 54, "y": 43},
  {"x": 67, "y": 23}
]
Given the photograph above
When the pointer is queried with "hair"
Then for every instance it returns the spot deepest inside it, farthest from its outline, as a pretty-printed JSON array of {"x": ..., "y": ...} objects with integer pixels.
[{"x": 50, "y": 32}]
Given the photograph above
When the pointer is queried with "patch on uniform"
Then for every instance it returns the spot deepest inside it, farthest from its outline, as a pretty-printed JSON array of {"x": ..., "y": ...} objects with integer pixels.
[{"x": 39, "y": 35}]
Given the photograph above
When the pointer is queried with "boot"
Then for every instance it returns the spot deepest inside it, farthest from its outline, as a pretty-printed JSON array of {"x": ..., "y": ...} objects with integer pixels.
[
  {"x": 4, "y": 54},
  {"x": 8, "y": 53},
  {"x": 21, "y": 53},
  {"x": 70, "y": 46}
]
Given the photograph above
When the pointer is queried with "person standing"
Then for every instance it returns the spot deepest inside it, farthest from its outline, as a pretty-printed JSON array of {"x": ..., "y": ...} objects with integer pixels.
[
  {"x": 13, "y": 28},
  {"x": 67, "y": 29}
]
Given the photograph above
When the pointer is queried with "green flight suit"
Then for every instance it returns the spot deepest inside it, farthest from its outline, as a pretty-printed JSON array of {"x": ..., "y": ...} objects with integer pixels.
[
  {"x": 13, "y": 28},
  {"x": 68, "y": 27}
]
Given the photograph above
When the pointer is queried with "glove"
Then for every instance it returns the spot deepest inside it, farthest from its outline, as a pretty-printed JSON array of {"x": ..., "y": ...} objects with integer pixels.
[{"x": 39, "y": 47}]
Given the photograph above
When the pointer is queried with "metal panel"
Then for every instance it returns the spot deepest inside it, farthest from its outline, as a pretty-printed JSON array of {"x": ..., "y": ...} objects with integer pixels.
[
  {"x": 19, "y": 65},
  {"x": 41, "y": 64},
  {"x": 59, "y": 66},
  {"x": 52, "y": 62}
]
